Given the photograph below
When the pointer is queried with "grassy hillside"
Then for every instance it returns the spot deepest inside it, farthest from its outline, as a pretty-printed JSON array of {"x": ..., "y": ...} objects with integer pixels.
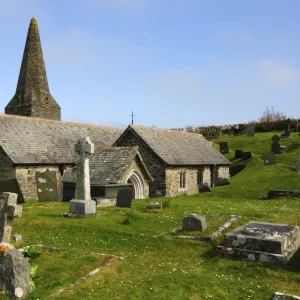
[{"x": 160, "y": 266}]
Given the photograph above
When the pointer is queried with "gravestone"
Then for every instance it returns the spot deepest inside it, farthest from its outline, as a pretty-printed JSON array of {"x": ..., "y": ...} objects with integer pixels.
[
  {"x": 83, "y": 204},
  {"x": 224, "y": 147},
  {"x": 275, "y": 148},
  {"x": 250, "y": 130},
  {"x": 286, "y": 133},
  {"x": 238, "y": 154},
  {"x": 264, "y": 242},
  {"x": 124, "y": 197},
  {"x": 46, "y": 185},
  {"x": 269, "y": 158},
  {"x": 298, "y": 164},
  {"x": 246, "y": 155},
  {"x": 8, "y": 211},
  {"x": 194, "y": 222}
]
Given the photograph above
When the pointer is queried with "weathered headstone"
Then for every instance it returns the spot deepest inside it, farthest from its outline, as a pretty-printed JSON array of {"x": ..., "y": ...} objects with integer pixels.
[
  {"x": 124, "y": 197},
  {"x": 224, "y": 149},
  {"x": 154, "y": 205},
  {"x": 46, "y": 183},
  {"x": 83, "y": 204},
  {"x": 246, "y": 155},
  {"x": 194, "y": 222},
  {"x": 14, "y": 268},
  {"x": 298, "y": 164},
  {"x": 238, "y": 154},
  {"x": 275, "y": 148},
  {"x": 250, "y": 130}
]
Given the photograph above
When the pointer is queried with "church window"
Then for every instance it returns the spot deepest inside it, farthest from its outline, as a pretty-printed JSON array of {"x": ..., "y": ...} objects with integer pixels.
[
  {"x": 200, "y": 176},
  {"x": 46, "y": 101},
  {"x": 182, "y": 179}
]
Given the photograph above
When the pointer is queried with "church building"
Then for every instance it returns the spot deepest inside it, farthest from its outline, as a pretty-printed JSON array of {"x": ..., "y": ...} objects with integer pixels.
[{"x": 37, "y": 149}]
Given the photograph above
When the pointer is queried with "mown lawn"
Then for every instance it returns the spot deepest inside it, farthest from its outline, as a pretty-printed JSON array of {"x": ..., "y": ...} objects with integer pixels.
[{"x": 162, "y": 266}]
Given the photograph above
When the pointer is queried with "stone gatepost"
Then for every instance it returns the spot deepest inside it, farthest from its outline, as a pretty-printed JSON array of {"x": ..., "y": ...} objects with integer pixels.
[{"x": 83, "y": 204}]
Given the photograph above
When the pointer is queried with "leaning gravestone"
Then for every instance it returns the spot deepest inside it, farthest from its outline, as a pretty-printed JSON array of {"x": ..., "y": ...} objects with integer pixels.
[
  {"x": 83, "y": 204},
  {"x": 194, "y": 222},
  {"x": 238, "y": 154},
  {"x": 124, "y": 197},
  {"x": 251, "y": 130},
  {"x": 224, "y": 147},
  {"x": 246, "y": 155},
  {"x": 14, "y": 268},
  {"x": 275, "y": 148},
  {"x": 298, "y": 164},
  {"x": 46, "y": 185},
  {"x": 269, "y": 158}
]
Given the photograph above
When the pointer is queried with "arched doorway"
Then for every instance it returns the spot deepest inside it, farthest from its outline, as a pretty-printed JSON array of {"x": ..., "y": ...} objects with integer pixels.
[{"x": 138, "y": 187}]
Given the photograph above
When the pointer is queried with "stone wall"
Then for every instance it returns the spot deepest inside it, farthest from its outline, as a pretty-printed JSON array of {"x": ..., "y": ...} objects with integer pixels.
[
  {"x": 173, "y": 181},
  {"x": 7, "y": 171},
  {"x": 206, "y": 175},
  {"x": 154, "y": 164},
  {"x": 223, "y": 172},
  {"x": 27, "y": 180},
  {"x": 135, "y": 167}
]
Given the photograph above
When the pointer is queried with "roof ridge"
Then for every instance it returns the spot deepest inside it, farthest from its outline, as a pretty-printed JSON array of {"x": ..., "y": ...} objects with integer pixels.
[
  {"x": 167, "y": 130},
  {"x": 11, "y": 116},
  {"x": 115, "y": 148}
]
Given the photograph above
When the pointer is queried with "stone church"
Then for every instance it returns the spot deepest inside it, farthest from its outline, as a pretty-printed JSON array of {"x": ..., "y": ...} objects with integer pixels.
[{"x": 34, "y": 142}]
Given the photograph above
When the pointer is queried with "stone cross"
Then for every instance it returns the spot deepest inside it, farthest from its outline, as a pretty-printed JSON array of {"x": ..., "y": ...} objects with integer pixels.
[
  {"x": 8, "y": 211},
  {"x": 84, "y": 148},
  {"x": 83, "y": 204}
]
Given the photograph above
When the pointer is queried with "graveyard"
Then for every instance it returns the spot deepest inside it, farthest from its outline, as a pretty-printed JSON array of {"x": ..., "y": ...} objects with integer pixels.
[{"x": 138, "y": 253}]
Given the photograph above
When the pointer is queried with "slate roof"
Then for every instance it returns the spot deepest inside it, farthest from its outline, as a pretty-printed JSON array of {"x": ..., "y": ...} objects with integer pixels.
[
  {"x": 107, "y": 165},
  {"x": 179, "y": 147},
  {"x": 28, "y": 140}
]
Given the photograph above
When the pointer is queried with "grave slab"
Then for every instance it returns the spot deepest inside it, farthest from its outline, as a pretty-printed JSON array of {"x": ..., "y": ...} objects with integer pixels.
[{"x": 265, "y": 242}]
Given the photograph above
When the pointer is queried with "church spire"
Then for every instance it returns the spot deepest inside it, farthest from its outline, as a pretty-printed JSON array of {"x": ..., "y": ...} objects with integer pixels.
[{"x": 32, "y": 97}]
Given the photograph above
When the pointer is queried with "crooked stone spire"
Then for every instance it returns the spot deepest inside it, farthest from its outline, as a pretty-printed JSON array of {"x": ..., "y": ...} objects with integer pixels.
[{"x": 32, "y": 97}]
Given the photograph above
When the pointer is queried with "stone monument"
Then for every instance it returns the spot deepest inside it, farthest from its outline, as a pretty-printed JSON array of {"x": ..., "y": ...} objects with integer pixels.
[
  {"x": 250, "y": 130},
  {"x": 275, "y": 148},
  {"x": 83, "y": 204}
]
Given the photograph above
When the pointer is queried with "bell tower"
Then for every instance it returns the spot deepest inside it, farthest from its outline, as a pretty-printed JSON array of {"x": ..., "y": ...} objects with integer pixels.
[{"x": 32, "y": 97}]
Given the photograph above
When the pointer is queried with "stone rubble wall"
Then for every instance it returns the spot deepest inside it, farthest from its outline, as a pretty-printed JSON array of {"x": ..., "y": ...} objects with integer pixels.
[
  {"x": 154, "y": 164},
  {"x": 27, "y": 180},
  {"x": 223, "y": 172}
]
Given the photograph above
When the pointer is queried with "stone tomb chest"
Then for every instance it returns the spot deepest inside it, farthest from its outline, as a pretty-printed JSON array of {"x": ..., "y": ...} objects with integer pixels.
[{"x": 264, "y": 242}]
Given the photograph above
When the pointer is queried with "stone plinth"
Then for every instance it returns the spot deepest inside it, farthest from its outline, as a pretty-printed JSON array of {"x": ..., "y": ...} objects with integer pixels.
[
  {"x": 82, "y": 207},
  {"x": 265, "y": 242}
]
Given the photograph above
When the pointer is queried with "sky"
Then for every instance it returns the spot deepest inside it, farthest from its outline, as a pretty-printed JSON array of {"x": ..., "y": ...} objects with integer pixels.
[{"x": 174, "y": 63}]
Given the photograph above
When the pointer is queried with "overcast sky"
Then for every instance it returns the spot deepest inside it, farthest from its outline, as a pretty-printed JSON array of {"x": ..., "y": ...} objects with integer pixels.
[{"x": 173, "y": 62}]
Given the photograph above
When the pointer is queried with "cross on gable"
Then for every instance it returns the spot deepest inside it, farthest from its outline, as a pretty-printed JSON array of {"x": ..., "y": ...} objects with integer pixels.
[{"x": 84, "y": 145}]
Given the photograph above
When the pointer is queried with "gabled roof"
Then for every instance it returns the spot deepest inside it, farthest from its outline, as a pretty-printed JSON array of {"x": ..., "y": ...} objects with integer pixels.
[
  {"x": 28, "y": 140},
  {"x": 108, "y": 164},
  {"x": 178, "y": 147}
]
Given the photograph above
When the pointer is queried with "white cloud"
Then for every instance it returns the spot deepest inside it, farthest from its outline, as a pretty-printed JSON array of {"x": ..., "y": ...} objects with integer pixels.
[{"x": 276, "y": 74}]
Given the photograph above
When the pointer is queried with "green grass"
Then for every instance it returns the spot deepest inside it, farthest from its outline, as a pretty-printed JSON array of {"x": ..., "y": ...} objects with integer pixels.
[{"x": 158, "y": 265}]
